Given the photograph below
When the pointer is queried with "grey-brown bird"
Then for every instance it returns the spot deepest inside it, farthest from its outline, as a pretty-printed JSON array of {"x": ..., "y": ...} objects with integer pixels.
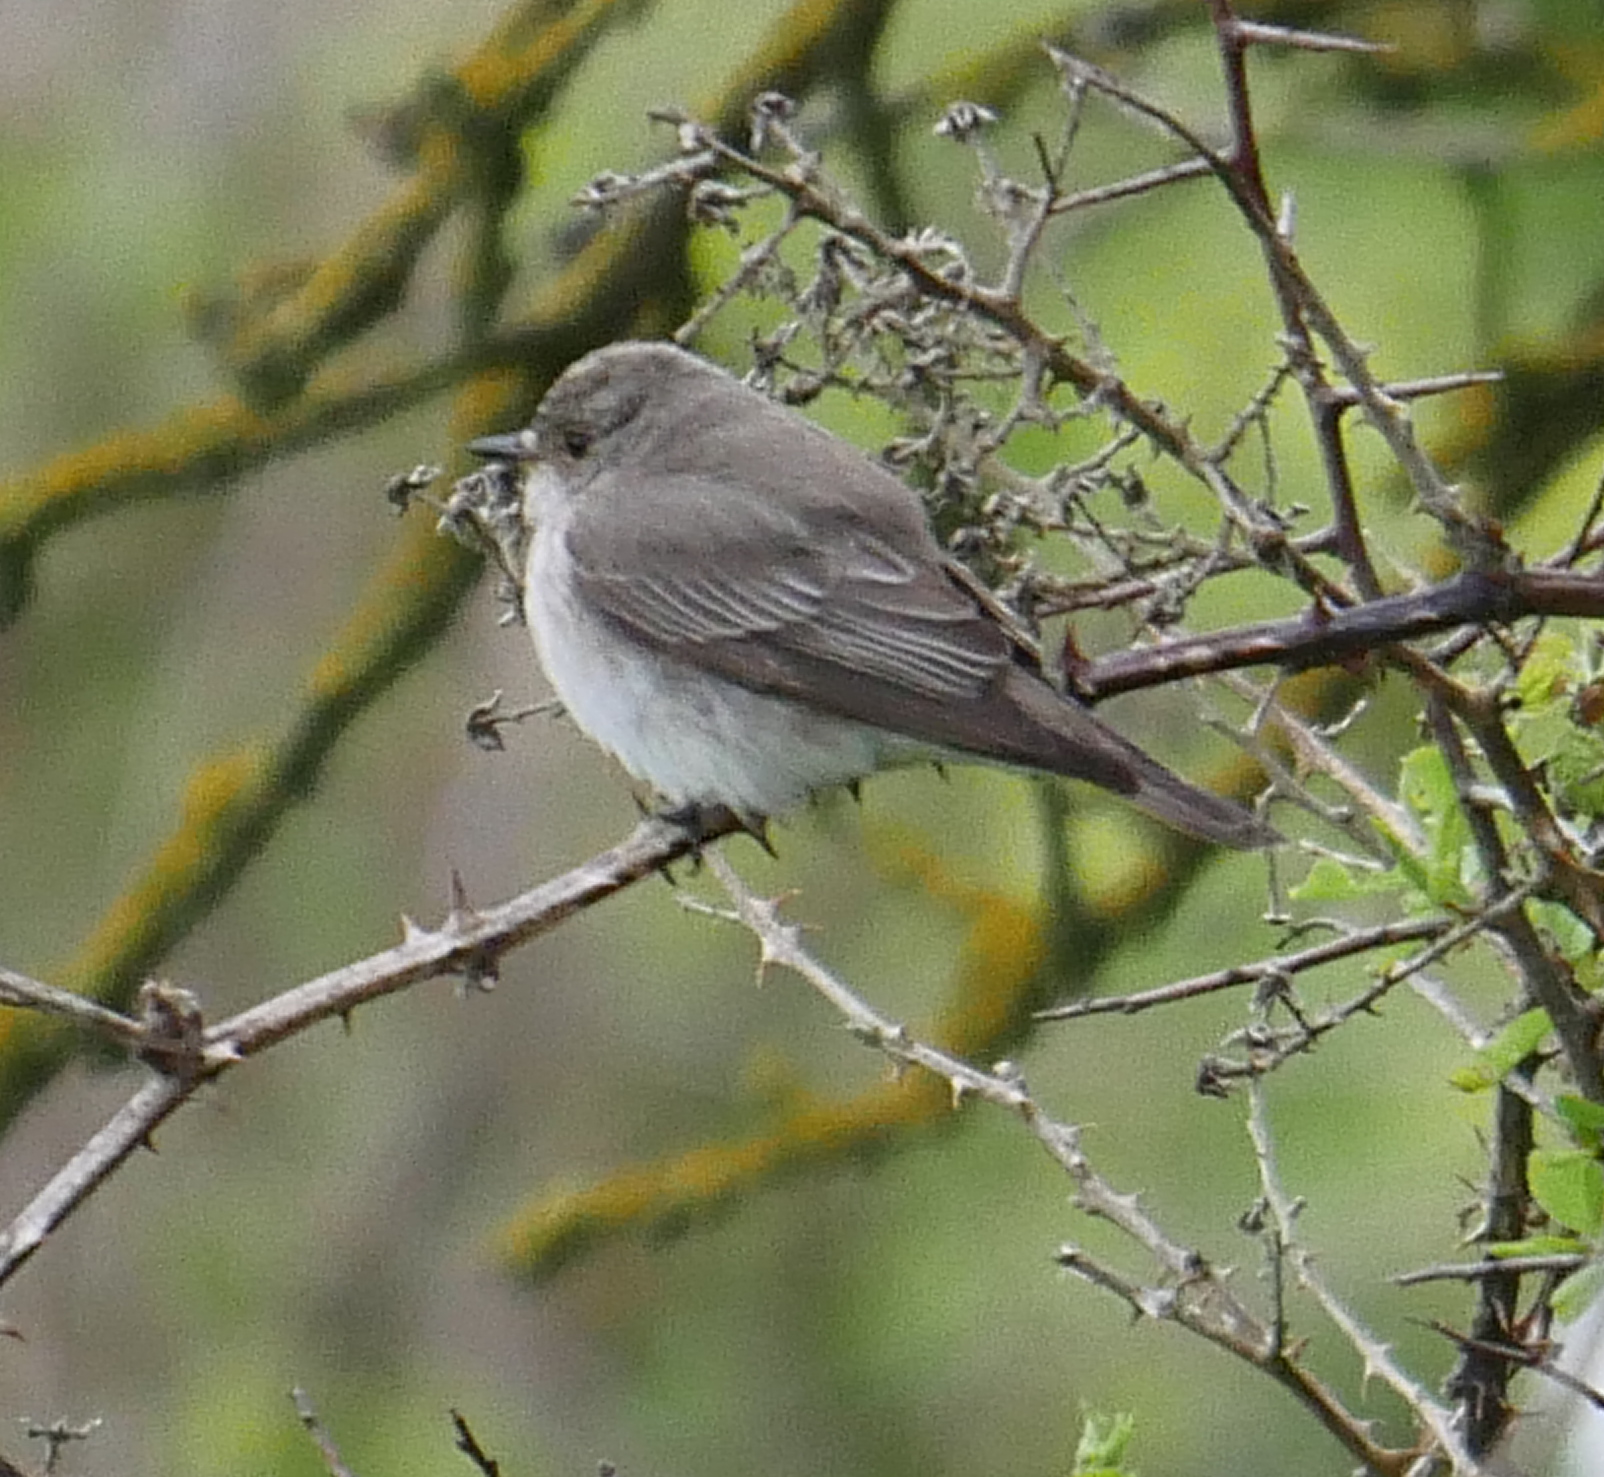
[{"x": 746, "y": 610}]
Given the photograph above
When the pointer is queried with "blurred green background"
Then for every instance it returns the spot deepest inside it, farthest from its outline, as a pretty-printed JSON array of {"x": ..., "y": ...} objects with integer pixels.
[{"x": 329, "y": 1215}]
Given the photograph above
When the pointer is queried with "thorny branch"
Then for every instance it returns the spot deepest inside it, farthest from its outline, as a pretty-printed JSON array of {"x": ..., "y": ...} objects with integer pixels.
[
  {"x": 1193, "y": 1292},
  {"x": 1273, "y": 972},
  {"x": 1493, "y": 600},
  {"x": 468, "y": 944},
  {"x": 1435, "y": 1419},
  {"x": 953, "y": 328}
]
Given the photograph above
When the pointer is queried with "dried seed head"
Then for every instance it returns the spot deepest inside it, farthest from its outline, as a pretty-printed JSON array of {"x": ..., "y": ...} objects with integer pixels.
[{"x": 963, "y": 120}]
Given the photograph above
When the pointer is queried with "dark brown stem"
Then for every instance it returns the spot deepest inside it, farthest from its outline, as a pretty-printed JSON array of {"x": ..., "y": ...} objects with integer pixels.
[
  {"x": 1325, "y": 409},
  {"x": 1481, "y": 1382},
  {"x": 1547, "y": 980},
  {"x": 1329, "y": 637}
]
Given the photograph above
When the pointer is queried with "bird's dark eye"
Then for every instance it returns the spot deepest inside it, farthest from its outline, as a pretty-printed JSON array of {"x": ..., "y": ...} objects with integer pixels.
[{"x": 577, "y": 440}]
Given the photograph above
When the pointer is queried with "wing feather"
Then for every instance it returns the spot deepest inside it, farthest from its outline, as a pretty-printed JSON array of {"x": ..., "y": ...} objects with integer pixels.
[{"x": 776, "y": 601}]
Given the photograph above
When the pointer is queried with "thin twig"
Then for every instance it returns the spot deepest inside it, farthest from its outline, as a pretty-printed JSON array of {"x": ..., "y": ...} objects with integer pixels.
[
  {"x": 1197, "y": 1297},
  {"x": 1277, "y": 966},
  {"x": 1420, "y": 389},
  {"x": 1527, "y": 1358},
  {"x": 1259, "y": 34},
  {"x": 1245, "y": 186},
  {"x": 469, "y": 943},
  {"x": 468, "y": 1444},
  {"x": 1270, "y": 1048},
  {"x": 1376, "y": 1358},
  {"x": 21, "y": 993},
  {"x": 1564, "y": 1262},
  {"x": 1137, "y": 184},
  {"x": 319, "y": 1433},
  {"x": 1584, "y": 529}
]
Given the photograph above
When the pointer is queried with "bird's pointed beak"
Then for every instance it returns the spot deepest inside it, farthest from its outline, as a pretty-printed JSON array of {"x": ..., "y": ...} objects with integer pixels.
[{"x": 510, "y": 446}]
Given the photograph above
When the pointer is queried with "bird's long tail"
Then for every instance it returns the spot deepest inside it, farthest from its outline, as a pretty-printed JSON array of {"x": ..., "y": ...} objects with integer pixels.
[{"x": 1069, "y": 739}]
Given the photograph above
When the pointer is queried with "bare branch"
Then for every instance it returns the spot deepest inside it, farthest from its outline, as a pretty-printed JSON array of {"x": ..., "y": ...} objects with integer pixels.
[
  {"x": 1137, "y": 184},
  {"x": 1326, "y": 638},
  {"x": 1561, "y": 1262},
  {"x": 1259, "y": 34},
  {"x": 319, "y": 1433},
  {"x": 1377, "y": 1359},
  {"x": 467, "y": 944},
  {"x": 1200, "y": 1298},
  {"x": 1268, "y": 1048},
  {"x": 468, "y": 1444},
  {"x": 1527, "y": 1359},
  {"x": 22, "y": 993},
  {"x": 1276, "y": 967}
]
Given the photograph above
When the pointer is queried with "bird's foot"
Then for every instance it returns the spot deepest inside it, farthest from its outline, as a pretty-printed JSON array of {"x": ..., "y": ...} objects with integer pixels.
[{"x": 705, "y": 822}]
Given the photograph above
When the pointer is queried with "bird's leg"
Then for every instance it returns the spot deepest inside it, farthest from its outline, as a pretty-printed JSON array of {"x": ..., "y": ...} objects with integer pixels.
[
  {"x": 705, "y": 822},
  {"x": 665, "y": 871}
]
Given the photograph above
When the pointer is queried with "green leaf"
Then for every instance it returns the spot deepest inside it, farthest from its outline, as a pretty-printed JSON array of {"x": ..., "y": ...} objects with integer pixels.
[
  {"x": 1102, "y": 1446},
  {"x": 1572, "y": 938},
  {"x": 1328, "y": 881},
  {"x": 1425, "y": 783},
  {"x": 1427, "y": 788},
  {"x": 1548, "y": 730},
  {"x": 1409, "y": 869},
  {"x": 1546, "y": 675},
  {"x": 1511, "y": 1046},
  {"x": 1575, "y": 771},
  {"x": 1584, "y": 1119},
  {"x": 1538, "y": 1246},
  {"x": 1541, "y": 735},
  {"x": 1579, "y": 1293},
  {"x": 1569, "y": 1185}
]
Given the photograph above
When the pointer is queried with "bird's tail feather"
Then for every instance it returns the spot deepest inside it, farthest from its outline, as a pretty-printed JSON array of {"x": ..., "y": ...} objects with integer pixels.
[
  {"x": 1070, "y": 739},
  {"x": 1165, "y": 796}
]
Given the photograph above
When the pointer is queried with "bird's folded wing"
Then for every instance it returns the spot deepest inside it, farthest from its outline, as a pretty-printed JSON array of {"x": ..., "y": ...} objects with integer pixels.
[
  {"x": 818, "y": 607},
  {"x": 757, "y": 595}
]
